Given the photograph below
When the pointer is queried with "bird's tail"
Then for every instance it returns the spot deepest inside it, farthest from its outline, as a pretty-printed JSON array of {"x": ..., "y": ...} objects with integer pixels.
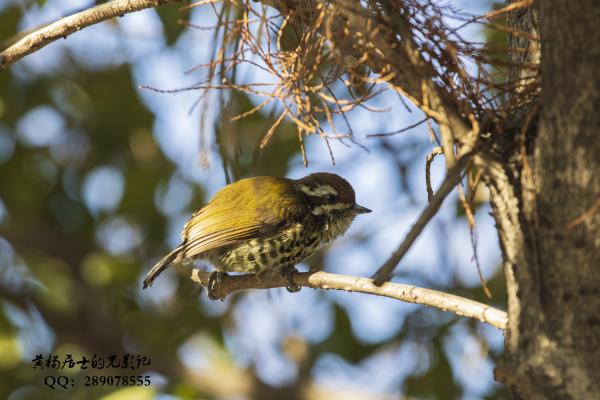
[{"x": 161, "y": 266}]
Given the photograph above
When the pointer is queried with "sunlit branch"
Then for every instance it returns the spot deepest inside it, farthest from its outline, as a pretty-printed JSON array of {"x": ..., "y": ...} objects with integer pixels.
[
  {"x": 65, "y": 26},
  {"x": 324, "y": 280}
]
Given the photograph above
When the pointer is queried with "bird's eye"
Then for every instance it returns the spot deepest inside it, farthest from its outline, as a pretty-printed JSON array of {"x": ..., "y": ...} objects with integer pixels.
[{"x": 331, "y": 199}]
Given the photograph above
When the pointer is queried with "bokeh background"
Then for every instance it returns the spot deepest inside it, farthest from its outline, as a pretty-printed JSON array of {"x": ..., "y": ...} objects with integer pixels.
[{"x": 98, "y": 176}]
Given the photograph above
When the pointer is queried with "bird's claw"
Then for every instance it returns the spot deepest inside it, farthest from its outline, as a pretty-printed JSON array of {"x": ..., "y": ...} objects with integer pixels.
[
  {"x": 287, "y": 273},
  {"x": 213, "y": 281}
]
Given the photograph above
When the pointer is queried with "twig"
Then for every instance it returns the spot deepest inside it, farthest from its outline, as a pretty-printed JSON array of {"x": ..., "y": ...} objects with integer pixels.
[
  {"x": 272, "y": 129},
  {"x": 590, "y": 211},
  {"x": 323, "y": 280},
  {"x": 473, "y": 233},
  {"x": 436, "y": 151},
  {"x": 73, "y": 23},
  {"x": 400, "y": 130},
  {"x": 450, "y": 181}
]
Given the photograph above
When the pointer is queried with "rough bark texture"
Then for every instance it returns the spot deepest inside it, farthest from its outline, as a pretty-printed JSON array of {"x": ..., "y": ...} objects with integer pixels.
[{"x": 552, "y": 267}]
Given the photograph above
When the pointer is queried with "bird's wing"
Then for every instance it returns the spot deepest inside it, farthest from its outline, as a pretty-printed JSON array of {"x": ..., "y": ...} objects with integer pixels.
[
  {"x": 241, "y": 211},
  {"x": 208, "y": 230}
]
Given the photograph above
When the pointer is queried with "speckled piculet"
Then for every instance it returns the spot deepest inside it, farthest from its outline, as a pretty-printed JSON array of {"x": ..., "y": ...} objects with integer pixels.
[{"x": 262, "y": 224}]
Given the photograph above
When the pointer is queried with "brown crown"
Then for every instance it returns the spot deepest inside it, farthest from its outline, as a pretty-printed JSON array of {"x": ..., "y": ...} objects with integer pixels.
[{"x": 344, "y": 189}]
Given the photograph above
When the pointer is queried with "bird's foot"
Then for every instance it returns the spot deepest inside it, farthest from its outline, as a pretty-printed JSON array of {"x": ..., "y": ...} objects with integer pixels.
[
  {"x": 213, "y": 281},
  {"x": 287, "y": 273}
]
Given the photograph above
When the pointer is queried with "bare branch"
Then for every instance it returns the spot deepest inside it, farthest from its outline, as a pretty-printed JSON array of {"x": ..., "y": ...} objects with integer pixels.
[
  {"x": 466, "y": 204},
  {"x": 372, "y": 135},
  {"x": 73, "y": 23},
  {"x": 450, "y": 181},
  {"x": 436, "y": 150},
  {"x": 324, "y": 280}
]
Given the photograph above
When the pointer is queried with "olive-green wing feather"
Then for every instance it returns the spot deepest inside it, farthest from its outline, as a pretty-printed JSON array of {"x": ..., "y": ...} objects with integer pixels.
[
  {"x": 208, "y": 230},
  {"x": 250, "y": 208},
  {"x": 212, "y": 228}
]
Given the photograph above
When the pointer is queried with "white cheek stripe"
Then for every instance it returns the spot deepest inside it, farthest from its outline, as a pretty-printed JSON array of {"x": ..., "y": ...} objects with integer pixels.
[
  {"x": 321, "y": 190},
  {"x": 320, "y": 210}
]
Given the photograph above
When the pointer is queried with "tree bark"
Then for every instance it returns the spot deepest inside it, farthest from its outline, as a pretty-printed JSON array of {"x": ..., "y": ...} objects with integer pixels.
[{"x": 545, "y": 191}]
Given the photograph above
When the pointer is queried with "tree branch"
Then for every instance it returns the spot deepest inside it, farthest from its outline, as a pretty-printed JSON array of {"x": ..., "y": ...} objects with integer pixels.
[
  {"x": 450, "y": 181},
  {"x": 323, "y": 280},
  {"x": 73, "y": 23}
]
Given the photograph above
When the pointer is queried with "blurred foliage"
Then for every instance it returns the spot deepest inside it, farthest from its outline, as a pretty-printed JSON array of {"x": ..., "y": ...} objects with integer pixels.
[
  {"x": 64, "y": 290},
  {"x": 170, "y": 18}
]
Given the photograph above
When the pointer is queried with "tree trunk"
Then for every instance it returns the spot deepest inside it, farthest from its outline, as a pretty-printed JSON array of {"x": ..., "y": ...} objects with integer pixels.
[{"x": 545, "y": 194}]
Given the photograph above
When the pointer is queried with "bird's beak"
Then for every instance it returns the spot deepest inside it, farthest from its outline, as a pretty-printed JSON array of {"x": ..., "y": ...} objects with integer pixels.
[{"x": 361, "y": 210}]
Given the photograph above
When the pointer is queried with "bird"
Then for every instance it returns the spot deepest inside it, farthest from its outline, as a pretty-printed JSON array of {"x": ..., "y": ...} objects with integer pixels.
[{"x": 265, "y": 224}]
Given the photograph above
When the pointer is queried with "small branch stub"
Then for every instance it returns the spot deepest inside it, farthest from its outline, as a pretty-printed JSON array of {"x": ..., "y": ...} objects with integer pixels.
[{"x": 229, "y": 284}]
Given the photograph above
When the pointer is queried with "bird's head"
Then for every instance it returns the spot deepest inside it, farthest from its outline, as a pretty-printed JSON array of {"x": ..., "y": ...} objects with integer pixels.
[{"x": 330, "y": 195}]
